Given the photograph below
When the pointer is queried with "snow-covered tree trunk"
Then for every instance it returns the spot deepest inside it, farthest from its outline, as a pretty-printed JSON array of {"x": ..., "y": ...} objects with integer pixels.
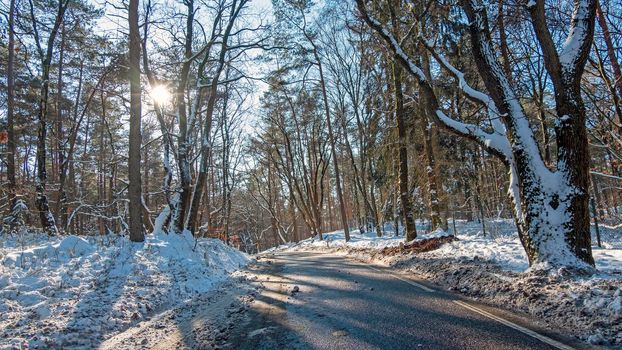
[
  {"x": 573, "y": 160},
  {"x": 550, "y": 206}
]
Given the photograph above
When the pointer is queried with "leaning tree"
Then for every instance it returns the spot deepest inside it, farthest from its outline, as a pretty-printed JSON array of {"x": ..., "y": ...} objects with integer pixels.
[{"x": 550, "y": 204}]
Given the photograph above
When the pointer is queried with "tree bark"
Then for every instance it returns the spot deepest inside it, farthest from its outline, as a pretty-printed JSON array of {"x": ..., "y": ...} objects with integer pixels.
[
  {"x": 11, "y": 146},
  {"x": 572, "y": 152},
  {"x": 403, "y": 185},
  {"x": 434, "y": 203},
  {"x": 46, "y": 217},
  {"x": 135, "y": 189},
  {"x": 183, "y": 146}
]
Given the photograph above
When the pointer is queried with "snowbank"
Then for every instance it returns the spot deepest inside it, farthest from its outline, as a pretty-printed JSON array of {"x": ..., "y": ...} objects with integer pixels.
[
  {"x": 72, "y": 292},
  {"x": 500, "y": 245}
]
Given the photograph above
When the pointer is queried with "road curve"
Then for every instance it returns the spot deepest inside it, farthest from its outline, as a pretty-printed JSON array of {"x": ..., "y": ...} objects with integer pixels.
[{"x": 343, "y": 304}]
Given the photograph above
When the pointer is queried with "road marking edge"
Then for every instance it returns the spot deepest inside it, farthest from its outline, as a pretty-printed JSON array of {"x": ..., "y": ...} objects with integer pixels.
[
  {"x": 412, "y": 283},
  {"x": 529, "y": 332}
]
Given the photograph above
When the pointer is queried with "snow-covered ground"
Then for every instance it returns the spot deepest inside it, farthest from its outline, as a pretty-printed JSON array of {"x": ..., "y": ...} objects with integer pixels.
[
  {"x": 73, "y": 292},
  {"x": 494, "y": 269},
  {"x": 500, "y": 244}
]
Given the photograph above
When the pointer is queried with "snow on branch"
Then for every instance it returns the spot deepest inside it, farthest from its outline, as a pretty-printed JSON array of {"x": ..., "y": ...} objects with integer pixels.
[
  {"x": 569, "y": 62},
  {"x": 472, "y": 93},
  {"x": 393, "y": 43},
  {"x": 497, "y": 144},
  {"x": 495, "y": 141},
  {"x": 574, "y": 47},
  {"x": 500, "y": 89}
]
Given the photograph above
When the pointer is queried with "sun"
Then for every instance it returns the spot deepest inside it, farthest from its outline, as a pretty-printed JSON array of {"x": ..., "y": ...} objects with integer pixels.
[{"x": 160, "y": 95}]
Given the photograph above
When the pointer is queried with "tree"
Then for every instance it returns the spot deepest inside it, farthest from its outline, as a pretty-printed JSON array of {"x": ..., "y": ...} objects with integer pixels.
[
  {"x": 402, "y": 154},
  {"x": 45, "y": 214},
  {"x": 234, "y": 12},
  {"x": 300, "y": 22},
  {"x": 550, "y": 206},
  {"x": 11, "y": 150},
  {"x": 135, "y": 189}
]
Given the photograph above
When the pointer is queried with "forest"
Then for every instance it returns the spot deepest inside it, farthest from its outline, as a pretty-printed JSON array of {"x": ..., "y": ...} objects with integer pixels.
[
  {"x": 268, "y": 123},
  {"x": 264, "y": 128}
]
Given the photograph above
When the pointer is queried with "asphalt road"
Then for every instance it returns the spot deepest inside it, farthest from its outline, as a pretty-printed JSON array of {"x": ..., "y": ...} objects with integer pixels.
[{"x": 343, "y": 304}]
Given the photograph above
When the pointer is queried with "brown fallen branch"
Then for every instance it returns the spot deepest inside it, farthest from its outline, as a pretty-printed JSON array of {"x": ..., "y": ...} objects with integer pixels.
[{"x": 420, "y": 246}]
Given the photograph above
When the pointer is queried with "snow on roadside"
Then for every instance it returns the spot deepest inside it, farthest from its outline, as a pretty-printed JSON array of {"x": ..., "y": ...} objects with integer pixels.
[
  {"x": 357, "y": 240},
  {"x": 500, "y": 244},
  {"x": 494, "y": 269},
  {"x": 72, "y": 292}
]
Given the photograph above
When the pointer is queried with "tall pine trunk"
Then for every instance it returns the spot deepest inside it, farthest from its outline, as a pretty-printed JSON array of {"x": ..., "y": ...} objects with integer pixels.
[
  {"x": 135, "y": 189},
  {"x": 333, "y": 148},
  {"x": 45, "y": 214},
  {"x": 402, "y": 155},
  {"x": 11, "y": 147}
]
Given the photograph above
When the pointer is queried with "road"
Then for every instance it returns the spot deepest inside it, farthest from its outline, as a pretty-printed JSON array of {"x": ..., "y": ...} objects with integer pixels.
[
  {"x": 340, "y": 304},
  {"x": 343, "y": 304}
]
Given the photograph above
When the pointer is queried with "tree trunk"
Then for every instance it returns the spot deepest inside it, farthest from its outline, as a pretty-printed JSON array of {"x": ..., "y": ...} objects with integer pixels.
[
  {"x": 503, "y": 39},
  {"x": 544, "y": 238},
  {"x": 183, "y": 147},
  {"x": 191, "y": 219},
  {"x": 403, "y": 186},
  {"x": 615, "y": 65},
  {"x": 45, "y": 214},
  {"x": 58, "y": 123},
  {"x": 62, "y": 196},
  {"x": 135, "y": 188},
  {"x": 436, "y": 219},
  {"x": 333, "y": 149},
  {"x": 434, "y": 203},
  {"x": 611, "y": 52},
  {"x": 292, "y": 213},
  {"x": 11, "y": 147},
  {"x": 72, "y": 139},
  {"x": 374, "y": 208}
]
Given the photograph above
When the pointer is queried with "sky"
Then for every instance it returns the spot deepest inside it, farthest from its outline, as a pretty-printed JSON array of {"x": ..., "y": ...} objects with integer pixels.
[{"x": 114, "y": 23}]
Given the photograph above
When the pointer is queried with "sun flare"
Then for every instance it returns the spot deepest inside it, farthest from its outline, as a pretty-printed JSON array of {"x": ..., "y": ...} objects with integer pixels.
[{"x": 160, "y": 95}]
